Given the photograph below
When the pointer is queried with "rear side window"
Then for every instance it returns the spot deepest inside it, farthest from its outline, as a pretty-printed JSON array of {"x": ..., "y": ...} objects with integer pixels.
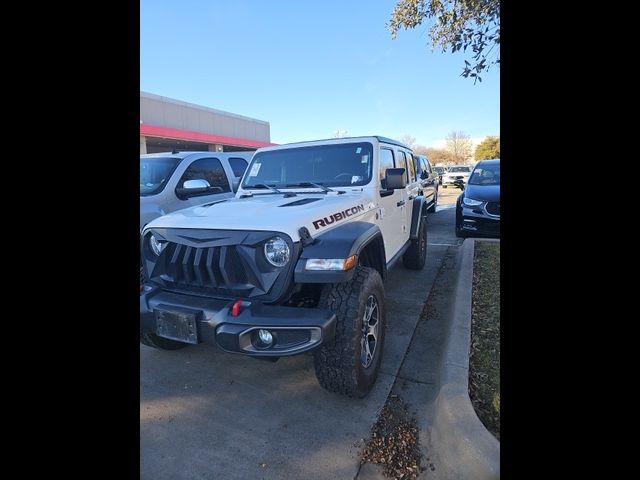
[
  {"x": 209, "y": 169},
  {"x": 402, "y": 161},
  {"x": 386, "y": 161},
  {"x": 412, "y": 167},
  {"x": 418, "y": 165},
  {"x": 238, "y": 165}
]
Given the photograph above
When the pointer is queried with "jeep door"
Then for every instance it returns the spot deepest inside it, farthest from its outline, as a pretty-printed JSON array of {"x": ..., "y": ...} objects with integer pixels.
[{"x": 391, "y": 206}]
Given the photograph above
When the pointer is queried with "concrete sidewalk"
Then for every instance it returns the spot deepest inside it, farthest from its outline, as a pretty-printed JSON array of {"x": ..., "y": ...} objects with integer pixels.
[{"x": 433, "y": 381}]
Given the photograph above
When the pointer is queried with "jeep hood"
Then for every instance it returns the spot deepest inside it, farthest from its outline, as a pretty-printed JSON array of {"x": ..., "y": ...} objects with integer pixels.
[{"x": 272, "y": 212}]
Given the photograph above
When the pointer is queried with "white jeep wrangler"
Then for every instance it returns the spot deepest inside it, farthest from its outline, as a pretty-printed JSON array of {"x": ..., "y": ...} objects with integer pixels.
[{"x": 295, "y": 262}]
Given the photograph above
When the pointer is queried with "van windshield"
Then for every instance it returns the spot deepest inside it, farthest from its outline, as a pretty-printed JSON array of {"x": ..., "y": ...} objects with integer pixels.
[{"x": 486, "y": 175}]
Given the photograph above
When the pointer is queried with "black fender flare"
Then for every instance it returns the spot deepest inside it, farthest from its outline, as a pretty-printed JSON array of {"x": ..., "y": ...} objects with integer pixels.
[
  {"x": 419, "y": 214},
  {"x": 341, "y": 242}
]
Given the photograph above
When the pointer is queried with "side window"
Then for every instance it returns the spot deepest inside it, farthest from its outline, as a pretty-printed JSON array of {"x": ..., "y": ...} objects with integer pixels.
[
  {"x": 238, "y": 165},
  {"x": 426, "y": 166},
  {"x": 402, "y": 161},
  {"x": 417, "y": 162},
  {"x": 412, "y": 167},
  {"x": 386, "y": 161},
  {"x": 209, "y": 169}
]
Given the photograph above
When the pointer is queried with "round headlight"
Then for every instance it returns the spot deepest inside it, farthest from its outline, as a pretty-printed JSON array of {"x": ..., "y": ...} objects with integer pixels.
[
  {"x": 277, "y": 252},
  {"x": 156, "y": 245}
]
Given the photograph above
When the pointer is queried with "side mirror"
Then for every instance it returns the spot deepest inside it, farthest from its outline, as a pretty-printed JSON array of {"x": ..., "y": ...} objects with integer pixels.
[
  {"x": 395, "y": 178},
  {"x": 199, "y": 183},
  {"x": 424, "y": 175},
  {"x": 459, "y": 183},
  {"x": 192, "y": 188}
]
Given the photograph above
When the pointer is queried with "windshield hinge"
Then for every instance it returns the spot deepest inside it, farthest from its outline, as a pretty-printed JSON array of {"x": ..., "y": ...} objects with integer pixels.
[{"x": 305, "y": 236}]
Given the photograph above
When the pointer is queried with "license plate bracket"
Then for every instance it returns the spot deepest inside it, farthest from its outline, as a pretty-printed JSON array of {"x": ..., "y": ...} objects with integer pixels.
[{"x": 176, "y": 323}]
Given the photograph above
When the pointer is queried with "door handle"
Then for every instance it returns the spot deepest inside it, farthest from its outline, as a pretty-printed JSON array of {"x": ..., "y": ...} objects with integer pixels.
[
  {"x": 411, "y": 197},
  {"x": 400, "y": 203}
]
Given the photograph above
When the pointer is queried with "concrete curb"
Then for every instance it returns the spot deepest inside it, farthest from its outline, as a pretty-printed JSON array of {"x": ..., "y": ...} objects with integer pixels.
[{"x": 464, "y": 447}]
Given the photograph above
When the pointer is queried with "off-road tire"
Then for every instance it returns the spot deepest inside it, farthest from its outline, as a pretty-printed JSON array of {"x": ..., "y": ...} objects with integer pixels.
[
  {"x": 415, "y": 256},
  {"x": 337, "y": 363},
  {"x": 153, "y": 340}
]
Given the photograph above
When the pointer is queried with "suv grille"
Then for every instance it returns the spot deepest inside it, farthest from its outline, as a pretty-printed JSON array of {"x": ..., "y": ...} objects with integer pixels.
[
  {"x": 217, "y": 263},
  {"x": 493, "y": 208},
  {"x": 205, "y": 267}
]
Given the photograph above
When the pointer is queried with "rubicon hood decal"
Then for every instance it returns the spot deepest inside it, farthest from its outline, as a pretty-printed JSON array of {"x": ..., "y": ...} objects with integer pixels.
[
  {"x": 336, "y": 217},
  {"x": 263, "y": 213}
]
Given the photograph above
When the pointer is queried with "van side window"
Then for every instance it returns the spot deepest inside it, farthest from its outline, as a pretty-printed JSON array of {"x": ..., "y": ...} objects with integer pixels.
[{"x": 238, "y": 165}]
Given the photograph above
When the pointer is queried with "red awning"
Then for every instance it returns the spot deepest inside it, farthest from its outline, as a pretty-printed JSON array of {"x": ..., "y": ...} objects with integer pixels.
[{"x": 155, "y": 131}]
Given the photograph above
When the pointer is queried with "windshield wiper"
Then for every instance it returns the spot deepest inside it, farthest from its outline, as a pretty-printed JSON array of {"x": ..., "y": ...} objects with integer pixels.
[
  {"x": 263, "y": 185},
  {"x": 311, "y": 184}
]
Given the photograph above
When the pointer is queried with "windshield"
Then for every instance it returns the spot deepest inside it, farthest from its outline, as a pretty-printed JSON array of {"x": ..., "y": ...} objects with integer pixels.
[
  {"x": 439, "y": 169},
  {"x": 338, "y": 165},
  {"x": 154, "y": 174},
  {"x": 486, "y": 175},
  {"x": 459, "y": 169}
]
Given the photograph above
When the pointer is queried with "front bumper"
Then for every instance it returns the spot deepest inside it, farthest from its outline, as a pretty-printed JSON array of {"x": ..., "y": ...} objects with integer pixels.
[
  {"x": 477, "y": 222},
  {"x": 449, "y": 181},
  {"x": 294, "y": 330}
]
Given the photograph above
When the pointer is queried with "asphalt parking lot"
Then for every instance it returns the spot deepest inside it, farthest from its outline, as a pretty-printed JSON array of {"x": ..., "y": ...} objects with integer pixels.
[{"x": 205, "y": 414}]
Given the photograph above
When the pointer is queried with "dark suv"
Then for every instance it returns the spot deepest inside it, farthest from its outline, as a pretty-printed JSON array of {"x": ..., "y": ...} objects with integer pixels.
[{"x": 478, "y": 207}]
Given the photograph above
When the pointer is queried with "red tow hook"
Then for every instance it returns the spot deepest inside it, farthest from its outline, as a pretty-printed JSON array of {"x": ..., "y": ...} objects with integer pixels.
[{"x": 235, "y": 309}]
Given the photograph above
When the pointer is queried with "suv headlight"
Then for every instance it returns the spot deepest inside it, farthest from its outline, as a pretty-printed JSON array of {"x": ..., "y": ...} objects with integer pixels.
[
  {"x": 156, "y": 245},
  {"x": 470, "y": 202},
  {"x": 277, "y": 252}
]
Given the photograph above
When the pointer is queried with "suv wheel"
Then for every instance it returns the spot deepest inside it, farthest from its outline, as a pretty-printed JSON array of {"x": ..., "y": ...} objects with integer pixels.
[
  {"x": 349, "y": 364},
  {"x": 460, "y": 233},
  {"x": 415, "y": 256},
  {"x": 432, "y": 208},
  {"x": 153, "y": 340}
]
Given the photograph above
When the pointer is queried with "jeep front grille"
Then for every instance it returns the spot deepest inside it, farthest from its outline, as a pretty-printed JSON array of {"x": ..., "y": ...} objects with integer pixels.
[
  {"x": 206, "y": 267},
  {"x": 218, "y": 263}
]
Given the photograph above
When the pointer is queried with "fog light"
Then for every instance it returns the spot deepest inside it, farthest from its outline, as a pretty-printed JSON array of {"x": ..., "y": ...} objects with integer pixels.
[{"x": 265, "y": 337}]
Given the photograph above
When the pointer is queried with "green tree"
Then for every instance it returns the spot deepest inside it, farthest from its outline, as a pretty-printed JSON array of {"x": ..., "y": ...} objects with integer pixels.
[
  {"x": 489, "y": 148},
  {"x": 456, "y": 25}
]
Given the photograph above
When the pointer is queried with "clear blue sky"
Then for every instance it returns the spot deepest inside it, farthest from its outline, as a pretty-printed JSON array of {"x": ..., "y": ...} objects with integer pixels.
[{"x": 312, "y": 67}]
